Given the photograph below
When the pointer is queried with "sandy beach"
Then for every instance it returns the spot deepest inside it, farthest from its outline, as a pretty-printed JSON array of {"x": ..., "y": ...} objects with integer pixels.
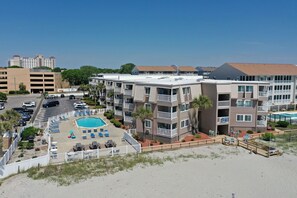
[{"x": 227, "y": 170}]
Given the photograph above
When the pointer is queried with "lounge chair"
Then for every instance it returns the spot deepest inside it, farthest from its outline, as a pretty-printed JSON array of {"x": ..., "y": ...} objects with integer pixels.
[
  {"x": 92, "y": 135},
  {"x": 89, "y": 130},
  {"x": 101, "y": 130},
  {"x": 84, "y": 131},
  {"x": 84, "y": 137},
  {"x": 95, "y": 130},
  {"x": 100, "y": 134},
  {"x": 106, "y": 134}
]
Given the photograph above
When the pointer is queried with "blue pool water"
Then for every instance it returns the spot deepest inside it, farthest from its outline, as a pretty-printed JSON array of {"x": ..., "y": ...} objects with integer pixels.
[
  {"x": 282, "y": 115},
  {"x": 90, "y": 122}
]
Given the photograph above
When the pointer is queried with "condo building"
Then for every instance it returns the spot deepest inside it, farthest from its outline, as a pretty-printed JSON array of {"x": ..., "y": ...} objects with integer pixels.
[
  {"x": 28, "y": 62},
  {"x": 282, "y": 78},
  {"x": 36, "y": 81},
  {"x": 237, "y": 105}
]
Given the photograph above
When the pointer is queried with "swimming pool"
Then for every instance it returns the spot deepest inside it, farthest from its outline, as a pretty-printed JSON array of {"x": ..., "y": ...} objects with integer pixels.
[
  {"x": 90, "y": 122},
  {"x": 283, "y": 115}
]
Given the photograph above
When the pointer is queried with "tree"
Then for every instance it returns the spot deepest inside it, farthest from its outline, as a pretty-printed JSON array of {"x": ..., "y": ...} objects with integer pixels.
[
  {"x": 143, "y": 114},
  {"x": 3, "y": 97},
  {"x": 56, "y": 69},
  {"x": 127, "y": 68},
  {"x": 15, "y": 66},
  {"x": 202, "y": 102},
  {"x": 22, "y": 87},
  {"x": 43, "y": 67},
  {"x": 84, "y": 88}
]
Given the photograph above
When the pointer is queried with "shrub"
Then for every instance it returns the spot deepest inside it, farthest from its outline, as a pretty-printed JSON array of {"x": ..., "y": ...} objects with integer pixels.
[
  {"x": 34, "y": 156},
  {"x": 29, "y": 146},
  {"x": 151, "y": 144},
  {"x": 161, "y": 143},
  {"x": 273, "y": 128},
  {"x": 117, "y": 124},
  {"x": 197, "y": 136},
  {"x": 21, "y": 155},
  {"x": 136, "y": 136},
  {"x": 183, "y": 140},
  {"x": 192, "y": 139},
  {"x": 283, "y": 124},
  {"x": 249, "y": 132},
  {"x": 268, "y": 136},
  {"x": 112, "y": 120},
  {"x": 30, "y": 131},
  {"x": 37, "y": 149}
]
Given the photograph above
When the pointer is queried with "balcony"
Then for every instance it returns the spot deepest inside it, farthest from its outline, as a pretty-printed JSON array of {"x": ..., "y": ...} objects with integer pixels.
[
  {"x": 129, "y": 105},
  {"x": 108, "y": 87},
  {"x": 262, "y": 108},
  {"x": 109, "y": 107},
  {"x": 117, "y": 89},
  {"x": 167, "y": 98},
  {"x": 263, "y": 94},
  {"x": 128, "y": 119},
  {"x": 128, "y": 92},
  {"x": 118, "y": 101},
  {"x": 262, "y": 123},
  {"x": 223, "y": 120},
  {"x": 167, "y": 115},
  {"x": 225, "y": 103},
  {"x": 118, "y": 112},
  {"x": 167, "y": 132}
]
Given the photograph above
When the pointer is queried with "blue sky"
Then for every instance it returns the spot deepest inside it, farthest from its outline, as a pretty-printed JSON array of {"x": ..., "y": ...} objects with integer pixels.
[{"x": 109, "y": 33}]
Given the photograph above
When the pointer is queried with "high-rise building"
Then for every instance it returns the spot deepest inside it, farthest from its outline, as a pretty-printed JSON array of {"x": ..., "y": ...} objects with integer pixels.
[{"x": 28, "y": 62}]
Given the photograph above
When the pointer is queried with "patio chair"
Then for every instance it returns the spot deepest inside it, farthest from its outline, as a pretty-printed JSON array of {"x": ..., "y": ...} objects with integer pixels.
[
  {"x": 84, "y": 137},
  {"x": 106, "y": 134},
  {"x": 84, "y": 131},
  {"x": 88, "y": 113},
  {"x": 89, "y": 130},
  {"x": 101, "y": 130},
  {"x": 95, "y": 130},
  {"x": 92, "y": 135},
  {"x": 100, "y": 134}
]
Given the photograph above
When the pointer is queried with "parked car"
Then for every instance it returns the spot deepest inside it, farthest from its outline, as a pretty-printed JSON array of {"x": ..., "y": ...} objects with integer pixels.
[
  {"x": 79, "y": 103},
  {"x": 78, "y": 147},
  {"x": 2, "y": 106},
  {"x": 51, "y": 104},
  {"x": 23, "y": 109},
  {"x": 51, "y": 97},
  {"x": 78, "y": 106},
  {"x": 21, "y": 123},
  {"x": 110, "y": 143},
  {"x": 62, "y": 96},
  {"x": 29, "y": 104},
  {"x": 95, "y": 145},
  {"x": 25, "y": 116},
  {"x": 71, "y": 97}
]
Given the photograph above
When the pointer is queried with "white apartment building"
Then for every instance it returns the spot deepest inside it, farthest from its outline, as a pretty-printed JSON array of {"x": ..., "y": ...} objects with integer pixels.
[
  {"x": 282, "y": 92},
  {"x": 28, "y": 62},
  {"x": 237, "y": 105}
]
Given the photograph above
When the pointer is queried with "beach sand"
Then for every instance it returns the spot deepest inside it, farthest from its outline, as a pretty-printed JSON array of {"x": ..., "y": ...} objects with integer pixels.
[{"x": 233, "y": 171}]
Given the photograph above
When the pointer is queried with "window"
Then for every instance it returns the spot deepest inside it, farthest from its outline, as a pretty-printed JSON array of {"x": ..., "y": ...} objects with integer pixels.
[
  {"x": 184, "y": 123},
  {"x": 240, "y": 88},
  {"x": 186, "y": 90},
  {"x": 147, "y": 90},
  {"x": 249, "y": 88},
  {"x": 148, "y": 124},
  {"x": 184, "y": 107},
  {"x": 148, "y": 106},
  {"x": 239, "y": 103},
  {"x": 243, "y": 118}
]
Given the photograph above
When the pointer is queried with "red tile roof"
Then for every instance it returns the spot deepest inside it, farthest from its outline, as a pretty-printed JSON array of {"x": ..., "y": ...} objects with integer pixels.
[{"x": 256, "y": 69}]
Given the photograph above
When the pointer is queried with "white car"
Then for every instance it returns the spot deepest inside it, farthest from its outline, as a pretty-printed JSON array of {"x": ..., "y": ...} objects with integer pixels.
[
  {"x": 80, "y": 106},
  {"x": 273, "y": 151},
  {"x": 2, "y": 106},
  {"x": 29, "y": 104},
  {"x": 79, "y": 103}
]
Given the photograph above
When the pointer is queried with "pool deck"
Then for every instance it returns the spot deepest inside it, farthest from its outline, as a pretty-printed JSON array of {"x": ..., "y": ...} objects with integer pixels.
[{"x": 66, "y": 144}]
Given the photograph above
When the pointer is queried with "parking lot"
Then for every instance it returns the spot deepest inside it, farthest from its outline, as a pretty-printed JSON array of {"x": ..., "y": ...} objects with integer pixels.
[{"x": 17, "y": 101}]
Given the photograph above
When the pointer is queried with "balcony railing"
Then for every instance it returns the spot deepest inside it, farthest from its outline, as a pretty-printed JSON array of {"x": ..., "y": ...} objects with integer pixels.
[
  {"x": 167, "y": 132},
  {"x": 129, "y": 105},
  {"x": 128, "y": 119},
  {"x": 263, "y": 108},
  {"x": 109, "y": 87},
  {"x": 261, "y": 123},
  {"x": 167, "y": 115},
  {"x": 128, "y": 92},
  {"x": 117, "y": 89},
  {"x": 224, "y": 103},
  {"x": 167, "y": 98},
  {"x": 263, "y": 93},
  {"x": 223, "y": 120},
  {"x": 108, "y": 107},
  {"x": 118, "y": 101},
  {"x": 118, "y": 112}
]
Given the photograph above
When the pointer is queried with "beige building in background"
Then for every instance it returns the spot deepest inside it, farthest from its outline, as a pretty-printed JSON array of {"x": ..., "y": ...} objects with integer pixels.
[
  {"x": 237, "y": 105},
  {"x": 36, "y": 81}
]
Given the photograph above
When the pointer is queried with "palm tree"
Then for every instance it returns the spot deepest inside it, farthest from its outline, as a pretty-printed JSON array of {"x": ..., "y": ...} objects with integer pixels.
[
  {"x": 84, "y": 87},
  {"x": 202, "y": 102},
  {"x": 143, "y": 114}
]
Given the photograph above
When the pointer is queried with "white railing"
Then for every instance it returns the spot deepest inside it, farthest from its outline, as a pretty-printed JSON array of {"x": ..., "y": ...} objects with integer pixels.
[
  {"x": 128, "y": 119},
  {"x": 261, "y": 123},
  {"x": 263, "y": 108},
  {"x": 128, "y": 92},
  {"x": 263, "y": 93},
  {"x": 129, "y": 105},
  {"x": 119, "y": 113},
  {"x": 168, "y": 115},
  {"x": 117, "y": 89},
  {"x": 6, "y": 157},
  {"x": 223, "y": 120},
  {"x": 282, "y": 91},
  {"x": 167, "y": 98},
  {"x": 224, "y": 103},
  {"x": 167, "y": 132},
  {"x": 118, "y": 101},
  {"x": 109, "y": 107},
  {"x": 128, "y": 137},
  {"x": 109, "y": 87}
]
